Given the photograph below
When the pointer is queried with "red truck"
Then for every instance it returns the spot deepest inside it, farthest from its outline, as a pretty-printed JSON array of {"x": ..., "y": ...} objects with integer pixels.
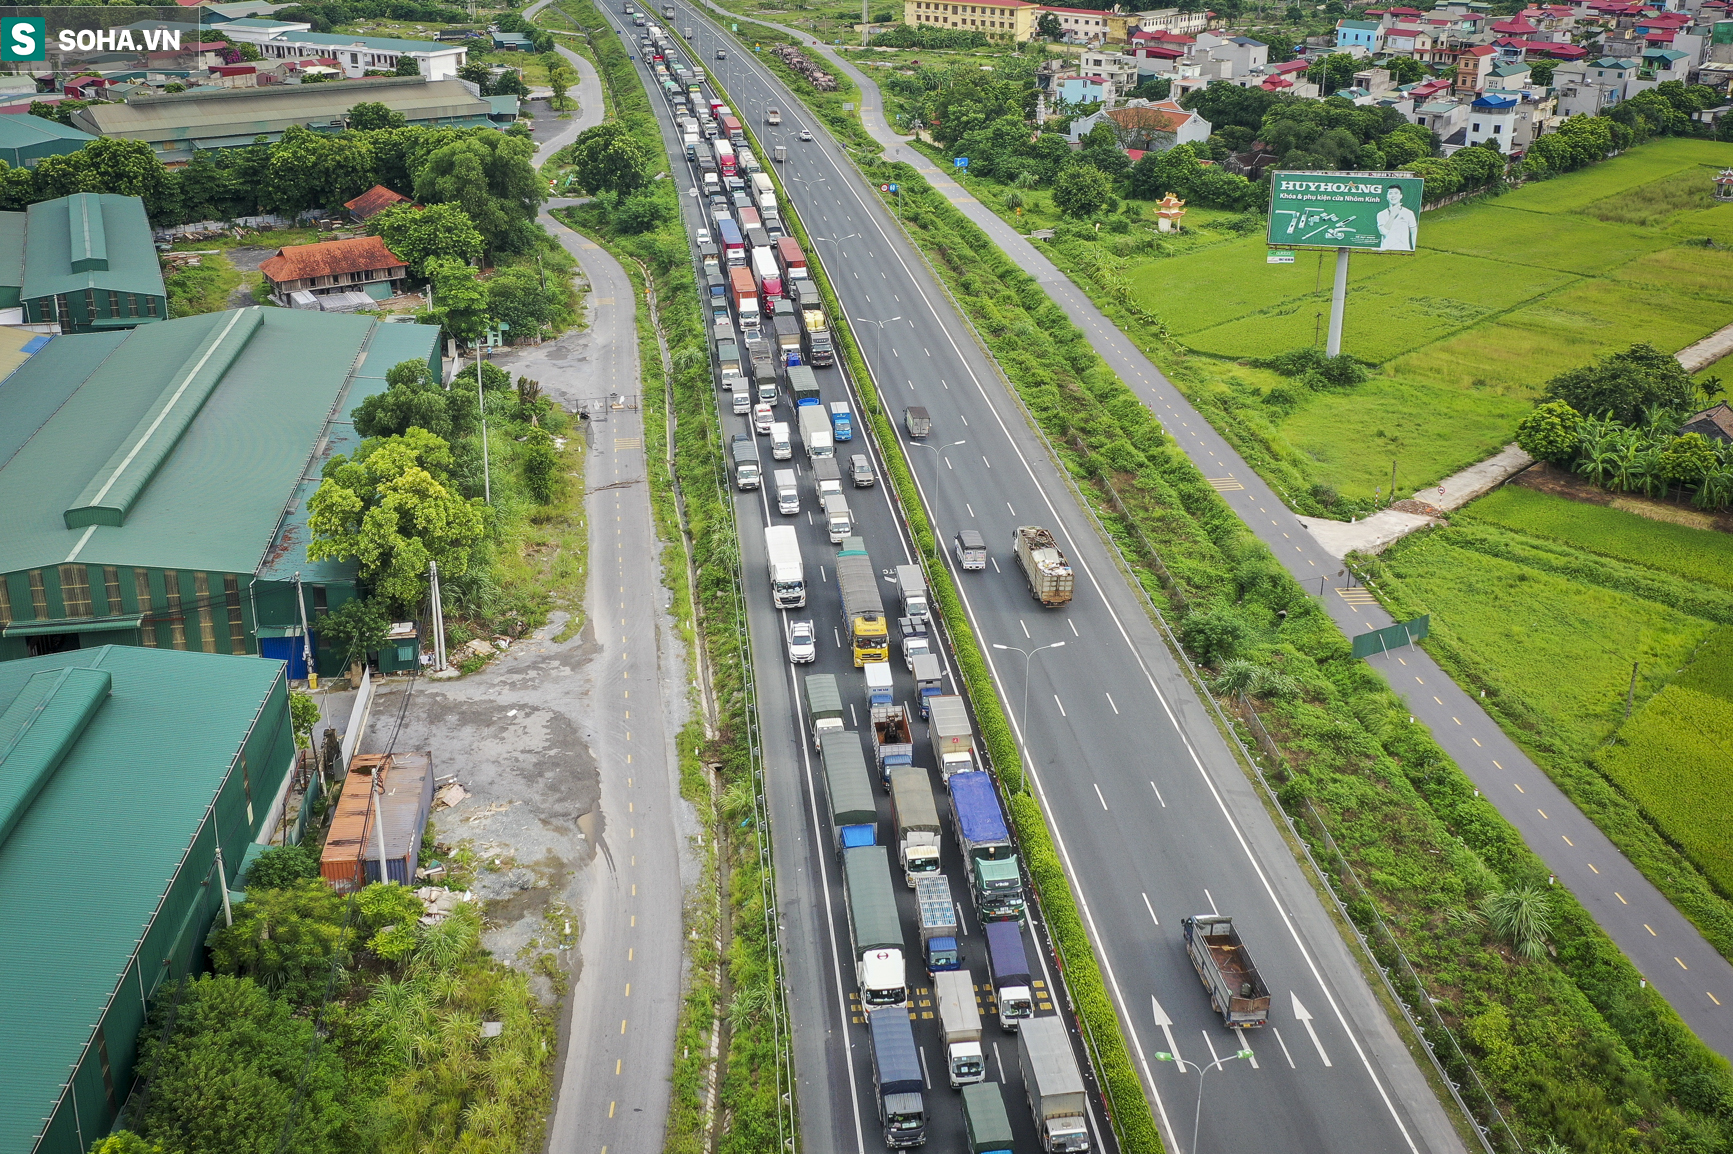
[
  {"x": 788, "y": 255},
  {"x": 744, "y": 290}
]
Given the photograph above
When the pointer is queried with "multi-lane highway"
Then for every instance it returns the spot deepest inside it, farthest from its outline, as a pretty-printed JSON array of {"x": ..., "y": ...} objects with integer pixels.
[{"x": 1151, "y": 814}]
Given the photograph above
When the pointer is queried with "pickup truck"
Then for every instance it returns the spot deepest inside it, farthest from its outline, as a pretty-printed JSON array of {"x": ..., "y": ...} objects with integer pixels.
[{"x": 1236, "y": 992}]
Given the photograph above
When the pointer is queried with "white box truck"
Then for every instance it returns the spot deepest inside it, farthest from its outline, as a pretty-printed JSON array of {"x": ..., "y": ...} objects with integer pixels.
[
  {"x": 960, "y": 1026},
  {"x": 787, "y": 575},
  {"x": 787, "y": 492}
]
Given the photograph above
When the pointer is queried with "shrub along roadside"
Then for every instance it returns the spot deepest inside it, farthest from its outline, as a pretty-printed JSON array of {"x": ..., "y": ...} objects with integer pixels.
[
  {"x": 731, "y": 982},
  {"x": 1131, "y": 1115},
  {"x": 1573, "y": 1046}
]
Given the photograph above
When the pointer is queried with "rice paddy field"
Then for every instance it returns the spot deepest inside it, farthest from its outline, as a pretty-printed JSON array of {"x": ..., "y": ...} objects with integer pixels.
[{"x": 1546, "y": 602}]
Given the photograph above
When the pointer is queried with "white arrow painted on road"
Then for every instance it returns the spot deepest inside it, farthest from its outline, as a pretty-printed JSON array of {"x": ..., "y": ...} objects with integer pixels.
[
  {"x": 1166, "y": 1024},
  {"x": 1305, "y": 1017}
]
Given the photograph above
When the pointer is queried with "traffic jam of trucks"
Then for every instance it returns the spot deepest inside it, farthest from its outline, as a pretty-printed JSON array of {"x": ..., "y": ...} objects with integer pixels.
[{"x": 900, "y": 804}]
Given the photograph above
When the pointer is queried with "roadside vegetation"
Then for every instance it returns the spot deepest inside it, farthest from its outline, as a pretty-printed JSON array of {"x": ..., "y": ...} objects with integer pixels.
[
  {"x": 1554, "y": 1020},
  {"x": 1563, "y": 612},
  {"x": 332, "y": 1024},
  {"x": 732, "y": 998}
]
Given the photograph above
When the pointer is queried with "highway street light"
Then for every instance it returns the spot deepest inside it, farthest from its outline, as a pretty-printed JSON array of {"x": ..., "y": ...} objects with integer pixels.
[
  {"x": 1197, "y": 1114},
  {"x": 940, "y": 449},
  {"x": 880, "y": 324},
  {"x": 1028, "y": 657}
]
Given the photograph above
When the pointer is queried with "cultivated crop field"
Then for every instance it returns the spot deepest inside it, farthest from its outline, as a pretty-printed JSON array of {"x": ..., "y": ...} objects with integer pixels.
[{"x": 1546, "y": 602}]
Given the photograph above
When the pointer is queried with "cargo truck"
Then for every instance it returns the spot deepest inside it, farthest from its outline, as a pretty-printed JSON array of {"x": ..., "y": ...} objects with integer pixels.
[
  {"x": 915, "y": 639},
  {"x": 817, "y": 336},
  {"x": 1058, "y": 1100},
  {"x": 995, "y": 879},
  {"x": 986, "y": 1123},
  {"x": 971, "y": 549},
  {"x": 744, "y": 294},
  {"x": 880, "y": 685},
  {"x": 826, "y": 478},
  {"x": 793, "y": 259},
  {"x": 912, "y": 586},
  {"x": 727, "y": 361},
  {"x": 824, "y": 708},
  {"x": 893, "y": 739},
  {"x": 1236, "y": 992},
  {"x": 960, "y": 1028},
  {"x": 863, "y": 611},
  {"x": 1043, "y": 564},
  {"x": 724, "y": 153},
  {"x": 938, "y": 915},
  {"x": 717, "y": 287},
  {"x": 757, "y": 238},
  {"x": 917, "y": 820},
  {"x": 787, "y": 575},
  {"x": 852, "y": 547},
  {"x": 781, "y": 444},
  {"x": 838, "y": 517},
  {"x": 765, "y": 269},
  {"x": 787, "y": 492},
  {"x": 841, "y": 421},
  {"x": 728, "y": 233},
  {"x": 761, "y": 184},
  {"x": 1008, "y": 963},
  {"x": 742, "y": 400},
  {"x": 803, "y": 386},
  {"x": 854, "y": 815},
  {"x": 898, "y": 1081},
  {"x": 764, "y": 373},
  {"x": 929, "y": 682},
  {"x": 815, "y": 432},
  {"x": 788, "y": 349},
  {"x": 731, "y": 127},
  {"x": 748, "y": 471},
  {"x": 773, "y": 116},
  {"x": 875, "y": 933},
  {"x": 953, "y": 740}
]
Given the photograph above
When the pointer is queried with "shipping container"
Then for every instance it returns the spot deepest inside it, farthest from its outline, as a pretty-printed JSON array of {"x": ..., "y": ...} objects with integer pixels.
[{"x": 359, "y": 827}]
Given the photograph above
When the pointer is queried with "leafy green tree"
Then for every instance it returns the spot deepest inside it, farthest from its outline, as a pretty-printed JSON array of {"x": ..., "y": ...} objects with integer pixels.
[
  {"x": 417, "y": 404},
  {"x": 1550, "y": 432},
  {"x": 280, "y": 867},
  {"x": 559, "y": 80},
  {"x": 459, "y": 299},
  {"x": 606, "y": 158},
  {"x": 1214, "y": 635},
  {"x": 285, "y": 940},
  {"x": 492, "y": 178},
  {"x": 1332, "y": 72},
  {"x": 516, "y": 297},
  {"x": 303, "y": 716},
  {"x": 392, "y": 509},
  {"x": 1624, "y": 384},
  {"x": 125, "y": 1142},
  {"x": 1405, "y": 69},
  {"x": 111, "y": 165},
  {"x": 1048, "y": 27},
  {"x": 1080, "y": 190},
  {"x": 640, "y": 212},
  {"x": 313, "y": 170},
  {"x": 1158, "y": 173},
  {"x": 355, "y": 628},
  {"x": 407, "y": 66},
  {"x": 1687, "y": 459},
  {"x": 1101, "y": 148},
  {"x": 370, "y": 115},
  {"x": 420, "y": 235},
  {"x": 234, "y": 1064},
  {"x": 389, "y": 917},
  {"x": 510, "y": 83},
  {"x": 493, "y": 378},
  {"x": 540, "y": 467}
]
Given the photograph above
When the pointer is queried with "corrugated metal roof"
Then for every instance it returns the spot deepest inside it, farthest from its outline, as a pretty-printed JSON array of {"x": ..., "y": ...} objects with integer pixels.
[
  {"x": 24, "y": 131},
  {"x": 250, "y": 112},
  {"x": 98, "y": 845},
  {"x": 60, "y": 235},
  {"x": 217, "y": 501},
  {"x": 370, "y": 43}
]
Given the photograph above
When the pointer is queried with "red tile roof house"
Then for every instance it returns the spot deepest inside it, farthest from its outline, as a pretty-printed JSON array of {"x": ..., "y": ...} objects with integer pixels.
[
  {"x": 335, "y": 266},
  {"x": 373, "y": 202}
]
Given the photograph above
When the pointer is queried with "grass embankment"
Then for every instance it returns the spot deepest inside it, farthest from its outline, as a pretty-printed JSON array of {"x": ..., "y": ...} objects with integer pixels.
[
  {"x": 732, "y": 978},
  {"x": 1545, "y": 604},
  {"x": 1504, "y": 293},
  {"x": 1573, "y": 1046}
]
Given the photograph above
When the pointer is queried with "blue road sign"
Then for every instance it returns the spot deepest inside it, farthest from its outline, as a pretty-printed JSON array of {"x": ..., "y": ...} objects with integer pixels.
[{"x": 961, "y": 162}]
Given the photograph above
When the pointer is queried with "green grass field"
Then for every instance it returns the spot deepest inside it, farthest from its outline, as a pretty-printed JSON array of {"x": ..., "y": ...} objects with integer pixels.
[{"x": 1677, "y": 549}]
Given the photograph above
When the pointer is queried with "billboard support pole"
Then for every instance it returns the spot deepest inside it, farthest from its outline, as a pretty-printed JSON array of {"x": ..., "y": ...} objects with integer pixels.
[{"x": 1338, "y": 303}]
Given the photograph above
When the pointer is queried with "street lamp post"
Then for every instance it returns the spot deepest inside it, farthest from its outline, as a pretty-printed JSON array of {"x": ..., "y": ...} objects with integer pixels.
[
  {"x": 1197, "y": 1113},
  {"x": 1023, "y": 719}
]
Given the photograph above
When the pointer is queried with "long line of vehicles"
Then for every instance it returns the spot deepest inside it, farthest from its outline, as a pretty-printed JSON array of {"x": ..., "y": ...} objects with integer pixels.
[{"x": 770, "y": 329}]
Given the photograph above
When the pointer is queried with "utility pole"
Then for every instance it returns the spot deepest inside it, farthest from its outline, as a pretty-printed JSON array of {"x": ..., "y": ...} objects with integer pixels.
[
  {"x": 306, "y": 636},
  {"x": 1392, "y": 481},
  {"x": 1631, "y": 693},
  {"x": 481, "y": 399},
  {"x": 223, "y": 881},
  {"x": 438, "y": 617},
  {"x": 373, "y": 792}
]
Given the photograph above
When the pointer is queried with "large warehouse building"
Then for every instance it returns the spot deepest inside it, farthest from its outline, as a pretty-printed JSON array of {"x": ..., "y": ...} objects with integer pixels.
[
  {"x": 126, "y": 775},
  {"x": 155, "y": 481}
]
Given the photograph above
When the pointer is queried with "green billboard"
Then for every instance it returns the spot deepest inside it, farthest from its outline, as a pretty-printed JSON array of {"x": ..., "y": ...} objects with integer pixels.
[{"x": 1378, "y": 211}]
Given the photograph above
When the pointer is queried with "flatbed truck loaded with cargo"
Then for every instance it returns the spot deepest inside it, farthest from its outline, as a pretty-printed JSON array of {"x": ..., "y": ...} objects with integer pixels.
[
  {"x": 960, "y": 1027},
  {"x": 990, "y": 857},
  {"x": 1221, "y": 960},
  {"x": 1058, "y": 1099},
  {"x": 863, "y": 610},
  {"x": 893, "y": 739},
  {"x": 1043, "y": 564},
  {"x": 938, "y": 914},
  {"x": 854, "y": 813},
  {"x": 874, "y": 930}
]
